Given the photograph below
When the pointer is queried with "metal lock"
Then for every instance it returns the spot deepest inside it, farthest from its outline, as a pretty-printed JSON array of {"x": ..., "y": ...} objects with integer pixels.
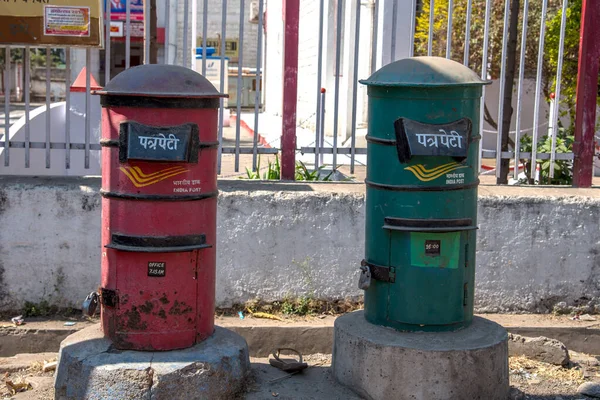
[
  {"x": 364, "y": 280},
  {"x": 90, "y": 304}
]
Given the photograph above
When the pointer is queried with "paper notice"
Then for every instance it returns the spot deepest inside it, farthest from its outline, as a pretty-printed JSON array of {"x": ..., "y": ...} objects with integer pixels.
[{"x": 66, "y": 21}]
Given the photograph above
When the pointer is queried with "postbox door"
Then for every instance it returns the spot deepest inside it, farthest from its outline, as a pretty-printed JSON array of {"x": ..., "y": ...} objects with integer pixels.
[
  {"x": 429, "y": 277},
  {"x": 153, "y": 298}
]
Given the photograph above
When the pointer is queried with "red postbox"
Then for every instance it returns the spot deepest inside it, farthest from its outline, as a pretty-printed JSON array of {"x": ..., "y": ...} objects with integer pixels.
[{"x": 159, "y": 206}]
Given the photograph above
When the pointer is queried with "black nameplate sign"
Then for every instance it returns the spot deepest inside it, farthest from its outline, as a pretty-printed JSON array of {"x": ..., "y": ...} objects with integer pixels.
[
  {"x": 157, "y": 269},
  {"x": 417, "y": 139},
  {"x": 152, "y": 143},
  {"x": 433, "y": 248}
]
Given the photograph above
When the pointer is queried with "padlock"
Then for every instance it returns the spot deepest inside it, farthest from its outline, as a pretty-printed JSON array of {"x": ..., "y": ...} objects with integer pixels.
[
  {"x": 90, "y": 304},
  {"x": 364, "y": 280}
]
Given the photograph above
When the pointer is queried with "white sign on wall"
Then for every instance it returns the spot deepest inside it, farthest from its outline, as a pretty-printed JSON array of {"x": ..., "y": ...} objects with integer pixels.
[{"x": 116, "y": 29}]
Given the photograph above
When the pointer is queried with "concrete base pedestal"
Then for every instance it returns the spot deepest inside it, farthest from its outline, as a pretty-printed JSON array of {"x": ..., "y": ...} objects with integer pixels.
[
  {"x": 90, "y": 368},
  {"x": 381, "y": 363}
]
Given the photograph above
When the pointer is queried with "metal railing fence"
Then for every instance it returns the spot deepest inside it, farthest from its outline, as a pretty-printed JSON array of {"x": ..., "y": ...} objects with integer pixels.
[{"x": 469, "y": 31}]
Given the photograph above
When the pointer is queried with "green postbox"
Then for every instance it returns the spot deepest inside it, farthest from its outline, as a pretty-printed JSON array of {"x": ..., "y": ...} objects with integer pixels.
[{"x": 421, "y": 207}]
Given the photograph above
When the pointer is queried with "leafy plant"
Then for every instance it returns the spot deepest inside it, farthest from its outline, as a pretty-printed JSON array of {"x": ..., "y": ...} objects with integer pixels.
[
  {"x": 299, "y": 306},
  {"x": 563, "y": 169},
  {"x": 253, "y": 174},
  {"x": 302, "y": 173},
  {"x": 273, "y": 169},
  {"x": 41, "y": 309}
]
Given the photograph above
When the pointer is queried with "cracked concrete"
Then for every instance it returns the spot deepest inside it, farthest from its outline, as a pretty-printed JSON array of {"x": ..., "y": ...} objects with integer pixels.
[{"x": 90, "y": 368}]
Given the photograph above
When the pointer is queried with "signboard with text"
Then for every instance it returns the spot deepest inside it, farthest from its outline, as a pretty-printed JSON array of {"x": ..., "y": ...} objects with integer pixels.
[{"x": 51, "y": 22}]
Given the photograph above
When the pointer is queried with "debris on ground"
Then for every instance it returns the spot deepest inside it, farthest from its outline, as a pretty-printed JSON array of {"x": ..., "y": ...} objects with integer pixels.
[
  {"x": 539, "y": 348},
  {"x": 538, "y": 370},
  {"x": 266, "y": 316},
  {"x": 261, "y": 314},
  {"x": 17, "y": 386},
  {"x": 586, "y": 317},
  {"x": 287, "y": 364},
  {"x": 18, "y": 320},
  {"x": 50, "y": 366},
  {"x": 70, "y": 323}
]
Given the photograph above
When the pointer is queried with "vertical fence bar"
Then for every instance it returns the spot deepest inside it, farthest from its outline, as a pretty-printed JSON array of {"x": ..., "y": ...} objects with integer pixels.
[
  {"x": 194, "y": 34},
  {"x": 322, "y": 133},
  {"x": 431, "y": 22},
  {"x": 561, "y": 51},
  {"x": 449, "y": 33},
  {"x": 222, "y": 82},
  {"x": 26, "y": 89},
  {"x": 319, "y": 79},
  {"x": 238, "y": 116},
  {"x": 88, "y": 104},
  {"x": 354, "y": 87},
  {"x": 204, "y": 34},
  {"x": 468, "y": 32},
  {"x": 538, "y": 88},
  {"x": 484, "y": 63},
  {"x": 520, "y": 89},
  {"x": 502, "y": 81},
  {"x": 290, "y": 92},
  {"x": 587, "y": 87},
  {"x": 128, "y": 32},
  {"x": 48, "y": 105},
  {"x": 6, "y": 105},
  {"x": 107, "y": 45},
  {"x": 257, "y": 96},
  {"x": 67, "y": 108},
  {"x": 167, "y": 27},
  {"x": 413, "y": 24},
  {"x": 147, "y": 33},
  {"x": 394, "y": 28},
  {"x": 336, "y": 93},
  {"x": 375, "y": 35},
  {"x": 186, "y": 27}
]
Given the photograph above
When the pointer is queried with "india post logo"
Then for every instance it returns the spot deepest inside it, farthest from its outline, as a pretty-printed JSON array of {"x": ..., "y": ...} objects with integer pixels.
[
  {"x": 140, "y": 179},
  {"x": 425, "y": 175}
]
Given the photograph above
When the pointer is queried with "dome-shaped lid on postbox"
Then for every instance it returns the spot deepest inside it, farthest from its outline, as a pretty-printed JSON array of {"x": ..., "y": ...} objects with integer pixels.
[
  {"x": 424, "y": 72},
  {"x": 159, "y": 80}
]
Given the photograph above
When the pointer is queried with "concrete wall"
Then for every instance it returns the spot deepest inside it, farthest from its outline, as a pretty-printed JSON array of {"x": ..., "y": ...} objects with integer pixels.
[{"x": 536, "y": 247}]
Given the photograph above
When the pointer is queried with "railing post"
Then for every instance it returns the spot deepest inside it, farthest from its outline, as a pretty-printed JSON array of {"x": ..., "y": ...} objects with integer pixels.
[
  {"x": 587, "y": 88},
  {"x": 291, "y": 12}
]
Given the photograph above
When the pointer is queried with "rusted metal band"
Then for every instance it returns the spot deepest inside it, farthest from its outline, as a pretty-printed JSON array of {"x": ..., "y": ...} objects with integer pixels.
[
  {"x": 158, "y": 102},
  {"x": 153, "y": 244},
  {"x": 158, "y": 197},
  {"x": 419, "y": 188},
  {"x": 385, "y": 142},
  {"x": 379, "y": 272}
]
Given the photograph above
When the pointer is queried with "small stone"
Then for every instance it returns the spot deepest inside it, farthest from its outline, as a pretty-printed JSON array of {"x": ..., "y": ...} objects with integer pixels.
[
  {"x": 540, "y": 349},
  {"x": 591, "y": 389}
]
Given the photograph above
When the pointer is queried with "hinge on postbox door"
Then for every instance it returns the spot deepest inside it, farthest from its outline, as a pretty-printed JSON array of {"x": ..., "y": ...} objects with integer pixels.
[{"x": 108, "y": 297}]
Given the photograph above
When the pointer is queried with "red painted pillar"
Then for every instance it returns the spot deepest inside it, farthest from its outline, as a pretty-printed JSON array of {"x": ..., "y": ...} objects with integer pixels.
[
  {"x": 587, "y": 90},
  {"x": 291, "y": 15}
]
